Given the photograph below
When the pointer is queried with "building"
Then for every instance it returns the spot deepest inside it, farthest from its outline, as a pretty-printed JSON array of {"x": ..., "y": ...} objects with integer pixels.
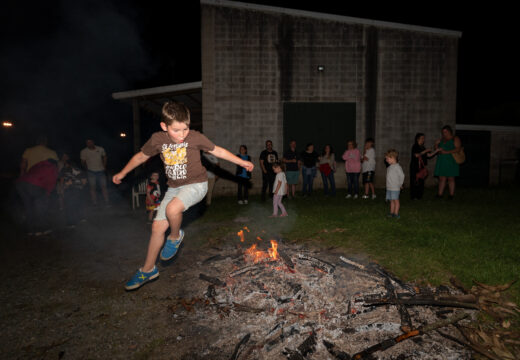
[{"x": 281, "y": 74}]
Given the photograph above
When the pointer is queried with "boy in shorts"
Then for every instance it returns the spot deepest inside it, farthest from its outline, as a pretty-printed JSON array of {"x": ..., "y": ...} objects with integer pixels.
[
  {"x": 394, "y": 182},
  {"x": 179, "y": 148}
]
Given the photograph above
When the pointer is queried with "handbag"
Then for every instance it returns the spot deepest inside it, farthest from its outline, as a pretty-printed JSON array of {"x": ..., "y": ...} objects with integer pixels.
[
  {"x": 325, "y": 169},
  {"x": 459, "y": 156},
  {"x": 423, "y": 171}
]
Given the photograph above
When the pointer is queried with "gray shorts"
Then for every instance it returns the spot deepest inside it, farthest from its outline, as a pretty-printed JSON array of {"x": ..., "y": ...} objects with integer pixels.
[
  {"x": 189, "y": 195},
  {"x": 97, "y": 177},
  {"x": 392, "y": 194}
]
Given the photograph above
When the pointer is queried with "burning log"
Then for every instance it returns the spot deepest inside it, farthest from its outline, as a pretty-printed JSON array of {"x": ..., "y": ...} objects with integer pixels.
[
  {"x": 339, "y": 355},
  {"x": 318, "y": 263},
  {"x": 367, "y": 353},
  {"x": 212, "y": 280},
  {"x": 238, "y": 347}
]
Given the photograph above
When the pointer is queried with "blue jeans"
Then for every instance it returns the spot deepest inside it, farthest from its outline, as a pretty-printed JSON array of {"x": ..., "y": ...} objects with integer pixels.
[
  {"x": 308, "y": 175},
  {"x": 326, "y": 180},
  {"x": 353, "y": 183},
  {"x": 36, "y": 204}
]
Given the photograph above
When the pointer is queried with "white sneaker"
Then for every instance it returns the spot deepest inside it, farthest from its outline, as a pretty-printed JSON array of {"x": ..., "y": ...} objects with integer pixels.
[
  {"x": 348, "y": 196},
  {"x": 246, "y": 202},
  {"x": 240, "y": 202},
  {"x": 355, "y": 196},
  {"x": 365, "y": 197},
  {"x": 373, "y": 196}
]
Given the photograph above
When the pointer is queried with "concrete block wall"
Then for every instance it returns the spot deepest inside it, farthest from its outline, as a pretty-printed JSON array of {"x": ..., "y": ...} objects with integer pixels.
[
  {"x": 417, "y": 75},
  {"x": 505, "y": 145},
  {"x": 254, "y": 61}
]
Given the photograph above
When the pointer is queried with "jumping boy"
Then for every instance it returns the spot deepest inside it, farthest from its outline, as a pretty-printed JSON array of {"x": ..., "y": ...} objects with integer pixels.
[
  {"x": 179, "y": 148},
  {"x": 394, "y": 182}
]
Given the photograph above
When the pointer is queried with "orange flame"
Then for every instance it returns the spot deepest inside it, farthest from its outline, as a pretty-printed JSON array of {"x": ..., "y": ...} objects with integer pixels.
[
  {"x": 245, "y": 228},
  {"x": 258, "y": 238},
  {"x": 241, "y": 234},
  {"x": 255, "y": 255},
  {"x": 273, "y": 251}
]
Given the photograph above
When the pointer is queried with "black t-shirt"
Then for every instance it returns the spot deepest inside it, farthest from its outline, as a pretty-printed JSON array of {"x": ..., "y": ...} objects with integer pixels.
[
  {"x": 269, "y": 157},
  {"x": 291, "y": 155},
  {"x": 414, "y": 163},
  {"x": 309, "y": 159}
]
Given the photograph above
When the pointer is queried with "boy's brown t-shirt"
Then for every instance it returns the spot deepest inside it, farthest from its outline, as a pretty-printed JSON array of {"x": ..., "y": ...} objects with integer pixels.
[{"x": 182, "y": 163}]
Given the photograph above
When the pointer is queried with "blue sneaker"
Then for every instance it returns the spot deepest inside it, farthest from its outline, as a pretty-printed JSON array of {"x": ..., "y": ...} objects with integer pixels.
[
  {"x": 140, "y": 278},
  {"x": 171, "y": 247}
]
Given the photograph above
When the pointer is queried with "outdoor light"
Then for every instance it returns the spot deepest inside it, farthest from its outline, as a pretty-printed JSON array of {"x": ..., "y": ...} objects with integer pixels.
[
  {"x": 321, "y": 67},
  {"x": 7, "y": 124},
  {"x": 123, "y": 135}
]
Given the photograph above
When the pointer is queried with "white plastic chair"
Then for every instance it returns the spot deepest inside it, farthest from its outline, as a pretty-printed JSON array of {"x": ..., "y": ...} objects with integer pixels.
[{"x": 137, "y": 190}]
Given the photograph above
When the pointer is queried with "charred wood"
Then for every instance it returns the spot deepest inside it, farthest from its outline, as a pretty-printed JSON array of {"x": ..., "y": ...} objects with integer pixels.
[
  {"x": 286, "y": 259},
  {"x": 239, "y": 346},
  {"x": 212, "y": 280},
  {"x": 318, "y": 263},
  {"x": 367, "y": 353},
  {"x": 243, "y": 270},
  {"x": 422, "y": 301},
  {"x": 339, "y": 355},
  {"x": 406, "y": 321}
]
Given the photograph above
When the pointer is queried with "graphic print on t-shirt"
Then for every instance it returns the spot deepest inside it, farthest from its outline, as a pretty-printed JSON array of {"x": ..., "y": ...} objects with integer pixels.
[
  {"x": 271, "y": 158},
  {"x": 175, "y": 159}
]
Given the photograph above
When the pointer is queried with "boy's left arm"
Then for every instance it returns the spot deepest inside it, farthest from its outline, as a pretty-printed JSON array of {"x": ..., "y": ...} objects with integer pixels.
[{"x": 226, "y": 155}]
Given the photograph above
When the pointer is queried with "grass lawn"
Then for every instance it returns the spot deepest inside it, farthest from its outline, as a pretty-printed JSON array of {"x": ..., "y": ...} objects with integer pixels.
[{"x": 476, "y": 236}]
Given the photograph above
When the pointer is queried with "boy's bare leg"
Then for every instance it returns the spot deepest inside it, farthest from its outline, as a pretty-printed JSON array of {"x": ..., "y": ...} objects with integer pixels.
[
  {"x": 397, "y": 205},
  {"x": 372, "y": 188},
  {"x": 174, "y": 214},
  {"x": 392, "y": 206}
]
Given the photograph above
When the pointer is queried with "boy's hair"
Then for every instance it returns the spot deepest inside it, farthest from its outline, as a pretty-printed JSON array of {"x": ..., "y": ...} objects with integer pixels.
[
  {"x": 175, "y": 111},
  {"x": 392, "y": 153},
  {"x": 278, "y": 164},
  {"x": 370, "y": 140}
]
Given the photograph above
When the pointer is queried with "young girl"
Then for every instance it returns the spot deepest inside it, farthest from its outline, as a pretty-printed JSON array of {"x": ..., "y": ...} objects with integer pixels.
[
  {"x": 153, "y": 195},
  {"x": 243, "y": 176},
  {"x": 368, "y": 168},
  {"x": 280, "y": 189},
  {"x": 327, "y": 170},
  {"x": 352, "y": 159}
]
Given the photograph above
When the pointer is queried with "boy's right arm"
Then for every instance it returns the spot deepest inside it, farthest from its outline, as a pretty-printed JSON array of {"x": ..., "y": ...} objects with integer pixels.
[{"x": 134, "y": 162}]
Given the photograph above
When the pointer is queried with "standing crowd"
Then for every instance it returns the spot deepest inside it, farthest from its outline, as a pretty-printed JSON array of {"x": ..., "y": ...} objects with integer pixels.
[{"x": 42, "y": 172}]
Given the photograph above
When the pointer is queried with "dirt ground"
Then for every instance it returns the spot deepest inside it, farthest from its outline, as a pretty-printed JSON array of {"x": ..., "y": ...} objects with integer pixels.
[{"x": 63, "y": 294}]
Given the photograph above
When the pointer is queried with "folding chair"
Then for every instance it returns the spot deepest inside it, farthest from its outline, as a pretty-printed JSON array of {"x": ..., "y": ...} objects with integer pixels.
[{"x": 137, "y": 190}]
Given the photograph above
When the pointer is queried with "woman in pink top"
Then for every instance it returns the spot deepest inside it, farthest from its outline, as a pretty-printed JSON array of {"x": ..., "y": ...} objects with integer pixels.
[{"x": 352, "y": 159}]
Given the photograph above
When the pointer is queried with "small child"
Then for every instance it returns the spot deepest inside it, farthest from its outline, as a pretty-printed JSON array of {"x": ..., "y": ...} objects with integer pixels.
[
  {"x": 368, "y": 168},
  {"x": 394, "y": 182},
  {"x": 153, "y": 195},
  {"x": 243, "y": 177},
  {"x": 280, "y": 189}
]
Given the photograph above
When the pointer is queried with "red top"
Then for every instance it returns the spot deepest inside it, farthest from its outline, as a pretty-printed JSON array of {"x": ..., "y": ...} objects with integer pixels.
[{"x": 44, "y": 174}]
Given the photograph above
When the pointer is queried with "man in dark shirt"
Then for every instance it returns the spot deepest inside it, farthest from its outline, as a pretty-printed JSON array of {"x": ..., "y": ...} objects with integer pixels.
[{"x": 267, "y": 159}]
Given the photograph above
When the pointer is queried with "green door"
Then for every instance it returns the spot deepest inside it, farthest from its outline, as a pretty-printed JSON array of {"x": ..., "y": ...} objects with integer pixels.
[{"x": 319, "y": 123}]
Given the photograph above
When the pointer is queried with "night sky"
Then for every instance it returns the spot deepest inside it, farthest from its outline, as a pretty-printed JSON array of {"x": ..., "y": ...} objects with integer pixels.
[{"x": 61, "y": 60}]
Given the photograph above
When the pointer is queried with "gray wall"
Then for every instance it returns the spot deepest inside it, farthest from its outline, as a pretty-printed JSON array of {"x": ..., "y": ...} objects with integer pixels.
[{"x": 402, "y": 81}]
